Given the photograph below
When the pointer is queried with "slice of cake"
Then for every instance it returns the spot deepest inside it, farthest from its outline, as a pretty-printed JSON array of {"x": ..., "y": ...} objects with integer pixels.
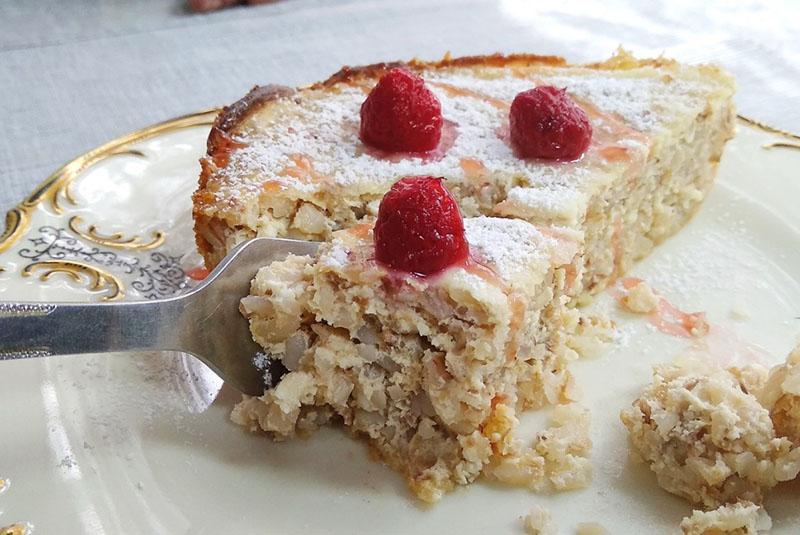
[
  {"x": 636, "y": 165},
  {"x": 424, "y": 336}
]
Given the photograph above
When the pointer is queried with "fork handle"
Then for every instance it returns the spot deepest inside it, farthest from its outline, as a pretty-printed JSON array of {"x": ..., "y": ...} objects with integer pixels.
[{"x": 41, "y": 329}]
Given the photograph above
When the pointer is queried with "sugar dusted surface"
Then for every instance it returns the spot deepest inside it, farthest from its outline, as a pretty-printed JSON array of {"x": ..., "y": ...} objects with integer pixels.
[
  {"x": 645, "y": 104},
  {"x": 326, "y": 131},
  {"x": 509, "y": 246},
  {"x": 550, "y": 199}
]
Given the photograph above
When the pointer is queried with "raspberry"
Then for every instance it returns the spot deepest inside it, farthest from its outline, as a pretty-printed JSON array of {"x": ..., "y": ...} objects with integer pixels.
[
  {"x": 419, "y": 228},
  {"x": 401, "y": 114},
  {"x": 546, "y": 123}
]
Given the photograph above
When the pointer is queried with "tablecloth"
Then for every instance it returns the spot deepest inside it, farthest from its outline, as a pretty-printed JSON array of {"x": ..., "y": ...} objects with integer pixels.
[{"x": 75, "y": 74}]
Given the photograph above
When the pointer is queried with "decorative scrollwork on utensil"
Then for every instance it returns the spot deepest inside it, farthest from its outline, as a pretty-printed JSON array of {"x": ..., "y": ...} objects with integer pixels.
[
  {"x": 8, "y": 310},
  {"x": 95, "y": 278},
  {"x": 117, "y": 239},
  {"x": 25, "y": 354}
]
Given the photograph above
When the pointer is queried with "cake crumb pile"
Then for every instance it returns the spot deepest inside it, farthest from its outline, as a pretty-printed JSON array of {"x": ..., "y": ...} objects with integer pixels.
[
  {"x": 558, "y": 458},
  {"x": 707, "y": 438}
]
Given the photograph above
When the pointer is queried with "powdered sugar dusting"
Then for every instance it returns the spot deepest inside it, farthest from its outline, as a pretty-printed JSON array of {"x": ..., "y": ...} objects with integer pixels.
[
  {"x": 509, "y": 246},
  {"x": 322, "y": 128},
  {"x": 262, "y": 362},
  {"x": 646, "y": 104},
  {"x": 336, "y": 256},
  {"x": 551, "y": 200}
]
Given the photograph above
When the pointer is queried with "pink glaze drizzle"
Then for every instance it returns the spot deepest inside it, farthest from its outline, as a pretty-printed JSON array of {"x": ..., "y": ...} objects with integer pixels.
[
  {"x": 448, "y": 139},
  {"x": 668, "y": 318},
  {"x": 728, "y": 349},
  {"x": 708, "y": 340},
  {"x": 395, "y": 281}
]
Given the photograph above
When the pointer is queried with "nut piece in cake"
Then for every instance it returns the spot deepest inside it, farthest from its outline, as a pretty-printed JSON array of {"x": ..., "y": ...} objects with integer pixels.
[
  {"x": 781, "y": 397},
  {"x": 427, "y": 368},
  {"x": 741, "y": 518},
  {"x": 708, "y": 439}
]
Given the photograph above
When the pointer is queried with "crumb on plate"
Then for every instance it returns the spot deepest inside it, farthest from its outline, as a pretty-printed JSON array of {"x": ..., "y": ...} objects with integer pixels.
[
  {"x": 558, "y": 458},
  {"x": 640, "y": 299},
  {"x": 590, "y": 528},
  {"x": 539, "y": 522},
  {"x": 742, "y": 518},
  {"x": 739, "y": 312},
  {"x": 18, "y": 528}
]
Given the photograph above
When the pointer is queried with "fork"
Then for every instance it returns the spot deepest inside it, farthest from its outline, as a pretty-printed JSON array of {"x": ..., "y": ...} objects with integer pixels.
[{"x": 204, "y": 322}]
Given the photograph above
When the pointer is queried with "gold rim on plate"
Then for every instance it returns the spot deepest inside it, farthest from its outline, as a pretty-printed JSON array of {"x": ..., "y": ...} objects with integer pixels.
[{"x": 56, "y": 188}]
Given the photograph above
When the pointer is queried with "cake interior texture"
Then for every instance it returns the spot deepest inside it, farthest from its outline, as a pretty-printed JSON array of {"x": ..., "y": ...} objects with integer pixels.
[
  {"x": 434, "y": 370},
  {"x": 431, "y": 369}
]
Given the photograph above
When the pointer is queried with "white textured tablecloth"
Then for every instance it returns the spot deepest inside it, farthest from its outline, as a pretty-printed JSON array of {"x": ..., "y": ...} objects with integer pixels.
[{"x": 75, "y": 74}]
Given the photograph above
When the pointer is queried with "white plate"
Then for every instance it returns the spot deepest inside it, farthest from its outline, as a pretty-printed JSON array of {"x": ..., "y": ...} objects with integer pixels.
[{"x": 142, "y": 443}]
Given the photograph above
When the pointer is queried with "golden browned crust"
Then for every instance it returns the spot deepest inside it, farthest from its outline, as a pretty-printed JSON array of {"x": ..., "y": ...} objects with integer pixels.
[
  {"x": 350, "y": 74},
  {"x": 235, "y": 114},
  {"x": 219, "y": 146}
]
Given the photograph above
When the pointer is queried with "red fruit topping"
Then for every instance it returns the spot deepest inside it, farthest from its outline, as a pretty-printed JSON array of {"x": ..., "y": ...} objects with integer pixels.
[
  {"x": 401, "y": 114},
  {"x": 546, "y": 123},
  {"x": 419, "y": 227}
]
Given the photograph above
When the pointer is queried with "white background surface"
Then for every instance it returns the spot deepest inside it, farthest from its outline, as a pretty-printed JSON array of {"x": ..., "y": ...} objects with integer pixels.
[{"x": 74, "y": 74}]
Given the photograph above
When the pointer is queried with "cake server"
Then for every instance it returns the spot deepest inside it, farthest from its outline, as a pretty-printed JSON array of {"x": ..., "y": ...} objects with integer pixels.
[{"x": 204, "y": 322}]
